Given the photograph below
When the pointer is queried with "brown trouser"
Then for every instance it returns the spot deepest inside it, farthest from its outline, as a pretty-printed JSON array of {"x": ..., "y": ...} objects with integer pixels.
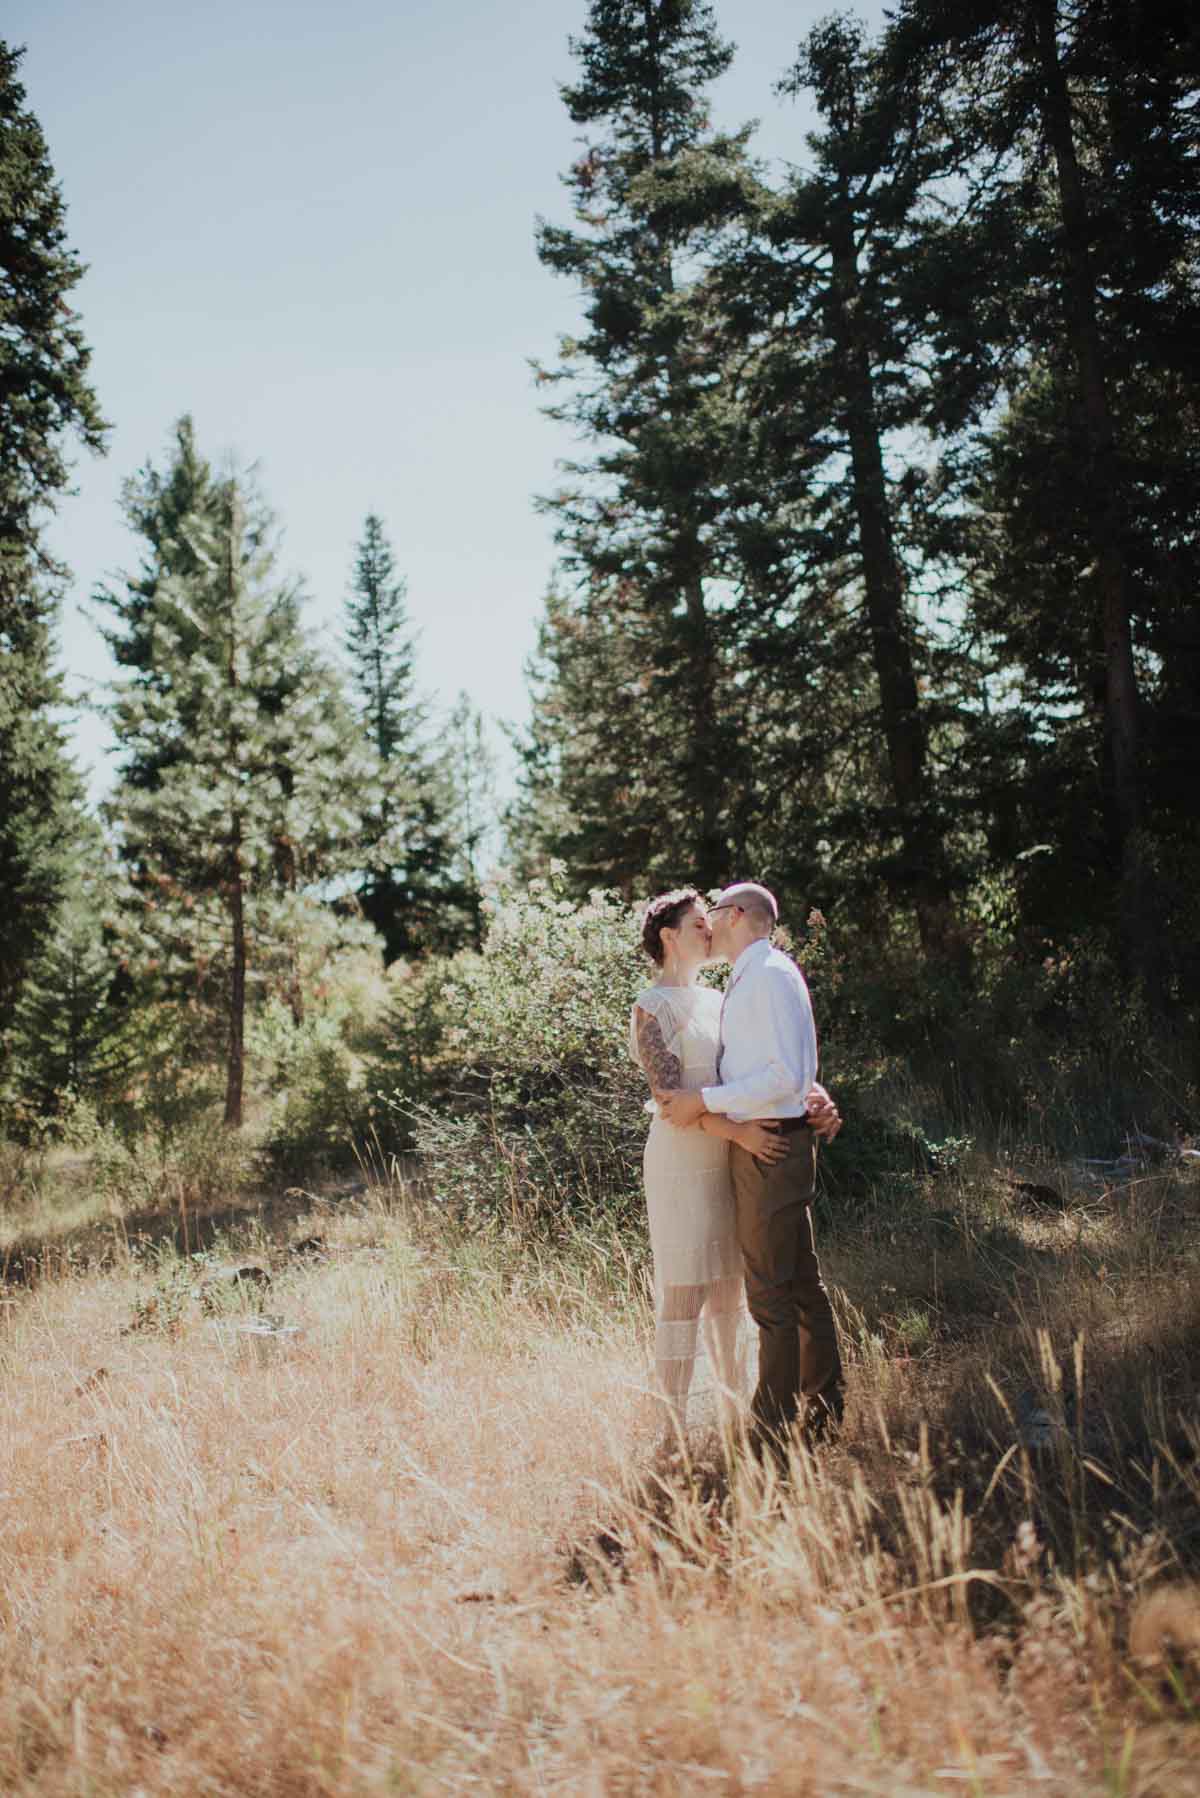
[{"x": 798, "y": 1349}]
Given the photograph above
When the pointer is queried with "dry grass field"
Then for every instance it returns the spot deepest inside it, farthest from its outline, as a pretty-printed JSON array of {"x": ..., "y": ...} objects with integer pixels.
[{"x": 430, "y": 1544}]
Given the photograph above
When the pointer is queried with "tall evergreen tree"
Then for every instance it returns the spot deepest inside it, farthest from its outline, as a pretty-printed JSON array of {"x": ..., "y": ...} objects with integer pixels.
[
  {"x": 1074, "y": 125},
  {"x": 160, "y": 506},
  {"x": 69, "y": 1038},
  {"x": 413, "y": 900},
  {"x": 797, "y": 298},
  {"x": 635, "y": 520},
  {"x": 46, "y": 400},
  {"x": 380, "y": 644},
  {"x": 472, "y": 769},
  {"x": 787, "y": 369},
  {"x": 597, "y": 759},
  {"x": 834, "y": 385},
  {"x": 245, "y": 772}
]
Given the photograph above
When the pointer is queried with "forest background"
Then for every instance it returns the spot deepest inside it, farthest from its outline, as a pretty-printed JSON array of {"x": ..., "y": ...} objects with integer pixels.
[
  {"x": 875, "y": 575},
  {"x": 876, "y": 580}
]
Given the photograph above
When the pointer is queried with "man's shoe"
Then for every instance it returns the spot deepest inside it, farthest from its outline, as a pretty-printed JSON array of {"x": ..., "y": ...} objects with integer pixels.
[{"x": 822, "y": 1425}]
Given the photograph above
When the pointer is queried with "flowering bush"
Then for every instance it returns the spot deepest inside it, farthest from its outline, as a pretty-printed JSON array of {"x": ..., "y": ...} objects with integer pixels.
[
  {"x": 540, "y": 1108},
  {"x": 553, "y": 985}
]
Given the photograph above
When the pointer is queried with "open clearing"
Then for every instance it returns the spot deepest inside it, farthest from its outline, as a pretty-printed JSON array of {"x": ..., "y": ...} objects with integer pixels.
[{"x": 427, "y": 1545}]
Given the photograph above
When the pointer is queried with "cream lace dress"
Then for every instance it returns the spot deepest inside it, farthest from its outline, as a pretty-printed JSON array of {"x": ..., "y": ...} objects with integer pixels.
[{"x": 689, "y": 1198}]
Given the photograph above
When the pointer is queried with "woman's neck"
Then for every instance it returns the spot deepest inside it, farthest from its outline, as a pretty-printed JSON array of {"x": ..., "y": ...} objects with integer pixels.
[{"x": 678, "y": 977}]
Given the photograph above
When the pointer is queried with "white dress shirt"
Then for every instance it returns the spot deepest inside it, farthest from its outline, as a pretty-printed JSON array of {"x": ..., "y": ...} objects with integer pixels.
[{"x": 768, "y": 1056}]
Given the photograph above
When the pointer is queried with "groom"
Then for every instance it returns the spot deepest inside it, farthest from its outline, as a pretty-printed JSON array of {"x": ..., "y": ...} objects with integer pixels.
[{"x": 766, "y": 1065}]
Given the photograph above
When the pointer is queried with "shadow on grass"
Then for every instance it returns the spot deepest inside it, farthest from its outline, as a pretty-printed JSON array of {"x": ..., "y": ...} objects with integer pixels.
[
  {"x": 1023, "y": 1411},
  {"x": 262, "y": 1217}
]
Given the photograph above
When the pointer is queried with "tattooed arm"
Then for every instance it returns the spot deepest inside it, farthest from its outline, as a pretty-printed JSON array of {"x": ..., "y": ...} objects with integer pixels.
[{"x": 663, "y": 1070}]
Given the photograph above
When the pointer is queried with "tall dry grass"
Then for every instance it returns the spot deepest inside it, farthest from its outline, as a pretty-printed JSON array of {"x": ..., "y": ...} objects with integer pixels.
[{"x": 434, "y": 1546}]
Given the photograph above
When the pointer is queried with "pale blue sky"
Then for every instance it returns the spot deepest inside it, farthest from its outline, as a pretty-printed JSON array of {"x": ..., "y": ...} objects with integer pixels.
[{"x": 312, "y": 227}]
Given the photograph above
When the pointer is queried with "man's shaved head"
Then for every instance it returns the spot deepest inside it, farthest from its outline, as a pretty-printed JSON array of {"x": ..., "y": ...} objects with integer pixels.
[{"x": 754, "y": 900}]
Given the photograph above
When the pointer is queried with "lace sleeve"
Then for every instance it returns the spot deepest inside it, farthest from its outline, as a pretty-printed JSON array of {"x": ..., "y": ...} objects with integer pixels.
[{"x": 663, "y": 1070}]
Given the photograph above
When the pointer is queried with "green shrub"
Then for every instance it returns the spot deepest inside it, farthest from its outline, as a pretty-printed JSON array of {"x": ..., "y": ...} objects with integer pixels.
[
  {"x": 192, "y": 1167},
  {"x": 1047, "y": 1047},
  {"x": 534, "y": 1108},
  {"x": 406, "y": 1053},
  {"x": 538, "y": 1110}
]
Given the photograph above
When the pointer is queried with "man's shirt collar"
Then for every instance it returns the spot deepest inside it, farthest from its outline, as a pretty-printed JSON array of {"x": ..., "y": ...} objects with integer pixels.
[{"x": 749, "y": 953}]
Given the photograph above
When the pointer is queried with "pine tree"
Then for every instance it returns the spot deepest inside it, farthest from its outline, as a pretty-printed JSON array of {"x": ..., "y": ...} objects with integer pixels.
[
  {"x": 46, "y": 400},
  {"x": 380, "y": 644},
  {"x": 69, "y": 1039},
  {"x": 770, "y": 361},
  {"x": 160, "y": 507},
  {"x": 831, "y": 385},
  {"x": 1073, "y": 127},
  {"x": 592, "y": 775},
  {"x": 245, "y": 772},
  {"x": 642, "y": 385},
  {"x": 471, "y": 765},
  {"x": 605, "y": 777},
  {"x": 412, "y": 901}
]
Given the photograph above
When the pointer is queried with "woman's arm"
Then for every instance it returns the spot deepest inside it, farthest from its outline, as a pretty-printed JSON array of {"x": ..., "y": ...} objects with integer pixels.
[{"x": 663, "y": 1070}]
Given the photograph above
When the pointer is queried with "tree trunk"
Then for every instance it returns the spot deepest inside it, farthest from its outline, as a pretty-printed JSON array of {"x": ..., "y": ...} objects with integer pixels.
[
  {"x": 1101, "y": 482},
  {"x": 702, "y": 774},
  {"x": 236, "y": 1063},
  {"x": 295, "y": 993},
  {"x": 285, "y": 875},
  {"x": 883, "y": 585}
]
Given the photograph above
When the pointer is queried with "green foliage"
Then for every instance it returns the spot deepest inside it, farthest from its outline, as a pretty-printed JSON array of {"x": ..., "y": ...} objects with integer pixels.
[
  {"x": 40, "y": 805},
  {"x": 404, "y": 1052},
  {"x": 881, "y": 531},
  {"x": 470, "y": 764},
  {"x": 379, "y": 644},
  {"x": 192, "y": 1170},
  {"x": 540, "y": 1105},
  {"x": 319, "y": 1111},
  {"x": 511, "y": 1067},
  {"x": 46, "y": 401},
  {"x": 552, "y": 988},
  {"x": 70, "y": 1039},
  {"x": 1072, "y": 273},
  {"x": 879, "y": 556},
  {"x": 339, "y": 1086},
  {"x": 246, "y": 777},
  {"x": 43, "y": 355},
  {"x": 636, "y": 648},
  {"x": 1050, "y": 1057},
  {"x": 414, "y": 895}
]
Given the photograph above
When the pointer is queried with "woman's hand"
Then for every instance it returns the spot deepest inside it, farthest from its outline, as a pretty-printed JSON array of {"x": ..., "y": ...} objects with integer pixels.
[
  {"x": 680, "y": 1108},
  {"x": 763, "y": 1141}
]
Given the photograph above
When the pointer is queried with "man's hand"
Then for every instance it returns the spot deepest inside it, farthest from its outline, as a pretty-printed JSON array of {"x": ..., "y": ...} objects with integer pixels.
[
  {"x": 681, "y": 1109},
  {"x": 825, "y": 1120}
]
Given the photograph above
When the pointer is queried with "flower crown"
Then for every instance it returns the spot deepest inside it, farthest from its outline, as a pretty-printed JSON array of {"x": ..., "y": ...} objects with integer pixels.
[{"x": 668, "y": 902}]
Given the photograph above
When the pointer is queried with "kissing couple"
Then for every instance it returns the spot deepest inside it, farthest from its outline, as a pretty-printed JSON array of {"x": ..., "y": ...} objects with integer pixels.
[{"x": 730, "y": 1162}]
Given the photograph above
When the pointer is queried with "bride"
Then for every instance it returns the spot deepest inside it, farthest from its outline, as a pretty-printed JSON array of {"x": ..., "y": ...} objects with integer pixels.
[{"x": 673, "y": 1034}]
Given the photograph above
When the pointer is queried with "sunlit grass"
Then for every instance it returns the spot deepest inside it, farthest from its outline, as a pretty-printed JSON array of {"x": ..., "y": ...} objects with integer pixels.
[{"x": 435, "y": 1544}]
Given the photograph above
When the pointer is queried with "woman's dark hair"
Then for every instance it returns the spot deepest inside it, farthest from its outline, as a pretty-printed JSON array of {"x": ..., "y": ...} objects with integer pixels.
[{"x": 662, "y": 914}]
